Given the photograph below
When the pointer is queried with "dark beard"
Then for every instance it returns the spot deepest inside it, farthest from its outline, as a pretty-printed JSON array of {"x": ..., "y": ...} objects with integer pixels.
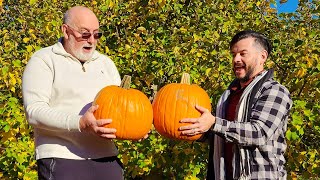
[{"x": 247, "y": 76}]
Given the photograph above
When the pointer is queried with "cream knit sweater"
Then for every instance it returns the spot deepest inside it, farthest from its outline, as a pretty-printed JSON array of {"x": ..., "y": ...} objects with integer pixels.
[{"x": 57, "y": 89}]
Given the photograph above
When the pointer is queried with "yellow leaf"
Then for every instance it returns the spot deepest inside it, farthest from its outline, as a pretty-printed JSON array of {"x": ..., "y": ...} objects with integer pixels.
[
  {"x": 301, "y": 72},
  {"x": 176, "y": 50},
  {"x": 150, "y": 40},
  {"x": 111, "y": 4},
  {"x": 29, "y": 48},
  {"x": 1, "y": 6},
  {"x": 216, "y": 34},
  {"x": 127, "y": 46},
  {"x": 221, "y": 6},
  {"x": 31, "y": 2},
  {"x": 48, "y": 29},
  {"x": 13, "y": 89},
  {"x": 182, "y": 29},
  {"x": 309, "y": 62},
  {"x": 162, "y": 2},
  {"x": 208, "y": 71},
  {"x": 145, "y": 169},
  {"x": 303, "y": 152},
  {"x": 258, "y": 3},
  {"x": 196, "y": 37},
  {"x": 143, "y": 29},
  {"x": 106, "y": 49},
  {"x": 25, "y": 40},
  {"x": 33, "y": 36},
  {"x": 193, "y": 50}
]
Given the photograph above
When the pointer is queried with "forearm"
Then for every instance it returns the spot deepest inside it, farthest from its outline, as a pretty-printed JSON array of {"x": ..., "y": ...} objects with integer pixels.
[
  {"x": 246, "y": 134},
  {"x": 40, "y": 115},
  {"x": 269, "y": 114}
]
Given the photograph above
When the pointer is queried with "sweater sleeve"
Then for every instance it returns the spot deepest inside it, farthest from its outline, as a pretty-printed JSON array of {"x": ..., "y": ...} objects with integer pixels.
[{"x": 37, "y": 83}]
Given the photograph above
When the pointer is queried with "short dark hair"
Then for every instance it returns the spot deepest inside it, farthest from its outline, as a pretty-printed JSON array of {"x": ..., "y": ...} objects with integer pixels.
[{"x": 260, "y": 39}]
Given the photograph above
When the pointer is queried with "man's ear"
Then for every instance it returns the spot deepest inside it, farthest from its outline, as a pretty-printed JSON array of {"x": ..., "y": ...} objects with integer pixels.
[
  {"x": 264, "y": 56},
  {"x": 64, "y": 31}
]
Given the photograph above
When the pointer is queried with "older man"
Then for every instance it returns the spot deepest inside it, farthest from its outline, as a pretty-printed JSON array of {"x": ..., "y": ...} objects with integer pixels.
[
  {"x": 59, "y": 83},
  {"x": 251, "y": 117}
]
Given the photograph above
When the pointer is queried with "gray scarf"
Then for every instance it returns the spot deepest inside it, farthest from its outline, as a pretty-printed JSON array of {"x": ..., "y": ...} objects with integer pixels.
[{"x": 242, "y": 155}]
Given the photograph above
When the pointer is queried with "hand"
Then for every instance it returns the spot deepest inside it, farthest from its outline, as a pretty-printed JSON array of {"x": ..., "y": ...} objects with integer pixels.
[
  {"x": 88, "y": 123},
  {"x": 198, "y": 125}
]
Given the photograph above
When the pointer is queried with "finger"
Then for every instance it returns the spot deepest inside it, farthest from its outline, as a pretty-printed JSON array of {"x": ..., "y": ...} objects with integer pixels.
[
  {"x": 103, "y": 122},
  {"x": 201, "y": 109},
  {"x": 109, "y": 136},
  {"x": 103, "y": 130},
  {"x": 189, "y": 132},
  {"x": 188, "y": 127},
  {"x": 189, "y": 120}
]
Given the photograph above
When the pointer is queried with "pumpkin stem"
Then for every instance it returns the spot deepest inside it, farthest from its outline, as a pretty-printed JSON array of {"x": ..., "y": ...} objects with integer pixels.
[
  {"x": 126, "y": 81},
  {"x": 185, "y": 78}
]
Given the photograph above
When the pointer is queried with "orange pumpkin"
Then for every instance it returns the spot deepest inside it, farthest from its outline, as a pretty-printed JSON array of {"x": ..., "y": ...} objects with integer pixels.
[
  {"x": 177, "y": 101},
  {"x": 129, "y": 109}
]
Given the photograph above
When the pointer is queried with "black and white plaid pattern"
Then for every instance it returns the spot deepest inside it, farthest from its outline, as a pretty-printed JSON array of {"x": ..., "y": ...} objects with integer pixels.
[{"x": 264, "y": 133}]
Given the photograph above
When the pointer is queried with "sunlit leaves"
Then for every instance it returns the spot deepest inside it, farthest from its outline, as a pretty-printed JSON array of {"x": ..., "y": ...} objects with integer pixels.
[{"x": 155, "y": 41}]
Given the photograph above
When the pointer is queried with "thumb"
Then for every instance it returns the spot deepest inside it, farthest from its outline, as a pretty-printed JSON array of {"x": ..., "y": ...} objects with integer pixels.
[{"x": 201, "y": 109}]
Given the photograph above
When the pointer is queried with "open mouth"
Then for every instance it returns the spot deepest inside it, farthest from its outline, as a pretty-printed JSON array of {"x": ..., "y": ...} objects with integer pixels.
[
  {"x": 238, "y": 68},
  {"x": 87, "y": 48}
]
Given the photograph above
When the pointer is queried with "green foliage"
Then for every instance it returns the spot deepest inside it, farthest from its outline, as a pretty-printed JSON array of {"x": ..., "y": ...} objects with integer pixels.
[{"x": 154, "y": 42}]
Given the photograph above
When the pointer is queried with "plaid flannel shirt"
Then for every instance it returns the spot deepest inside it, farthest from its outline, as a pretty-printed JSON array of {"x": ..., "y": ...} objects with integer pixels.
[{"x": 264, "y": 134}]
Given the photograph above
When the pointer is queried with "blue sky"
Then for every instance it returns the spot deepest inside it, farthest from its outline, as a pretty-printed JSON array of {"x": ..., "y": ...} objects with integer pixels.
[{"x": 289, "y": 6}]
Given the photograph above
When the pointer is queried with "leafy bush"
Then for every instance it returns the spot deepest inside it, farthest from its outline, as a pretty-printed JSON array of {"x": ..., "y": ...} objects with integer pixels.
[{"x": 154, "y": 42}]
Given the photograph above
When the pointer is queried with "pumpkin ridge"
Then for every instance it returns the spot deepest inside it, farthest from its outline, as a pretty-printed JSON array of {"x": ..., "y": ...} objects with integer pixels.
[
  {"x": 189, "y": 102},
  {"x": 172, "y": 109},
  {"x": 180, "y": 91},
  {"x": 159, "y": 110},
  {"x": 123, "y": 113},
  {"x": 163, "y": 94},
  {"x": 141, "y": 109},
  {"x": 118, "y": 115},
  {"x": 109, "y": 106}
]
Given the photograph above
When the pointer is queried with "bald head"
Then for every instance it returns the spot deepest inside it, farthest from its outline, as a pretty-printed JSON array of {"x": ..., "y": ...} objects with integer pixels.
[
  {"x": 80, "y": 32},
  {"x": 77, "y": 14}
]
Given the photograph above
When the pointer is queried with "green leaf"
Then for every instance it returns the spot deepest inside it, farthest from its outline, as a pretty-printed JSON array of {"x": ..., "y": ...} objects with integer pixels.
[
  {"x": 297, "y": 119},
  {"x": 16, "y": 63},
  {"x": 6, "y": 128},
  {"x": 5, "y": 70}
]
